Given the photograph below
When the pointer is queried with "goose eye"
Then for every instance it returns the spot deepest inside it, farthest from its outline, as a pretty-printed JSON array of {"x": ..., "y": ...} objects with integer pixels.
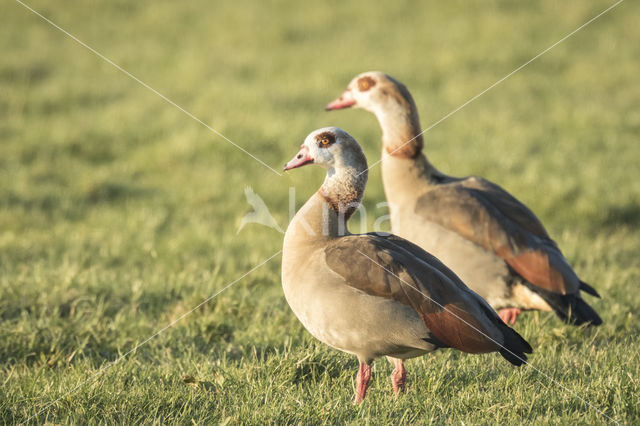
[
  {"x": 325, "y": 140},
  {"x": 365, "y": 83}
]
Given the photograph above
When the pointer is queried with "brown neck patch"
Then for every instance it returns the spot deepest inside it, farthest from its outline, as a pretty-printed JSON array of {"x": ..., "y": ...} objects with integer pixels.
[
  {"x": 344, "y": 196},
  {"x": 344, "y": 205},
  {"x": 406, "y": 135},
  {"x": 411, "y": 148}
]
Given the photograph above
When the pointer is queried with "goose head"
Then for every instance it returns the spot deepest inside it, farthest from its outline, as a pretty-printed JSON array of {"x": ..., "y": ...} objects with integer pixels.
[
  {"x": 332, "y": 148},
  {"x": 373, "y": 91},
  {"x": 340, "y": 154},
  {"x": 392, "y": 104}
]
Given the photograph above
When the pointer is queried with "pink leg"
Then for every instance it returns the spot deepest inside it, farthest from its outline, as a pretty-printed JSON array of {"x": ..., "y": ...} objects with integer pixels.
[
  {"x": 362, "y": 381},
  {"x": 509, "y": 315},
  {"x": 399, "y": 376}
]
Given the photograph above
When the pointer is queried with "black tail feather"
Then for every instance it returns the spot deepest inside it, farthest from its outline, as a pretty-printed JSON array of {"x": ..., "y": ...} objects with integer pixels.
[
  {"x": 515, "y": 347},
  {"x": 570, "y": 308},
  {"x": 588, "y": 289},
  {"x": 573, "y": 310},
  {"x": 583, "y": 314},
  {"x": 514, "y": 358}
]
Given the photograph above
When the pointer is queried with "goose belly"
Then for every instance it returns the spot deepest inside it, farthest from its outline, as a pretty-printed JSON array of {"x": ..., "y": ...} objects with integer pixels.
[{"x": 352, "y": 321}]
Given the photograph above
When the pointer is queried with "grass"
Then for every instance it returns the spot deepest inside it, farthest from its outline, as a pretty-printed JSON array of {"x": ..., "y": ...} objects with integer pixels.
[{"x": 118, "y": 213}]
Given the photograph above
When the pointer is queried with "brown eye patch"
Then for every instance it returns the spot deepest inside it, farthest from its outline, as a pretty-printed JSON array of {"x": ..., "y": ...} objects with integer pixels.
[
  {"x": 325, "y": 139},
  {"x": 365, "y": 83}
]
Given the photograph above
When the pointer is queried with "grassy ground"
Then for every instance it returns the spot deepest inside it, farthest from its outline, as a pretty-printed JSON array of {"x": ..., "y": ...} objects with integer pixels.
[{"x": 119, "y": 214}]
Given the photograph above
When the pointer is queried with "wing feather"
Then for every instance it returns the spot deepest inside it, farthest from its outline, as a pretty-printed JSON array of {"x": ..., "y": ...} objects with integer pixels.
[
  {"x": 381, "y": 267},
  {"x": 487, "y": 215}
]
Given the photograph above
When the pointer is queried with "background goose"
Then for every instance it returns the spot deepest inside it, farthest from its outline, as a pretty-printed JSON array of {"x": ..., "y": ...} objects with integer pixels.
[
  {"x": 490, "y": 239},
  {"x": 372, "y": 295}
]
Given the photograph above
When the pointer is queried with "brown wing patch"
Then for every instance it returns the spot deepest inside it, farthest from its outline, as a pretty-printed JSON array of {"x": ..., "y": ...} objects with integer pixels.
[
  {"x": 507, "y": 204},
  {"x": 492, "y": 219},
  {"x": 534, "y": 267},
  {"x": 455, "y": 327}
]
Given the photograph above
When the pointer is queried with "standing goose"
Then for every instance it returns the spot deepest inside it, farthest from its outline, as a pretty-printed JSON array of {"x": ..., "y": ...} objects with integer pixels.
[
  {"x": 492, "y": 241},
  {"x": 372, "y": 295}
]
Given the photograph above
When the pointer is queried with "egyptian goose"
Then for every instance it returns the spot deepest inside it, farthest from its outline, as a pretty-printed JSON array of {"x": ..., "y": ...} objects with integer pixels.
[
  {"x": 492, "y": 241},
  {"x": 372, "y": 295}
]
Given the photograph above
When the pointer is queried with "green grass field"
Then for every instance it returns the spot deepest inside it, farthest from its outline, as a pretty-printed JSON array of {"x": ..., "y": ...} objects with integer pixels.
[{"x": 119, "y": 213}]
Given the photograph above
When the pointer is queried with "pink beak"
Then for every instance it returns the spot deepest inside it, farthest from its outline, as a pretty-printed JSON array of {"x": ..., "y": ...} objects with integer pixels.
[
  {"x": 302, "y": 158},
  {"x": 344, "y": 101}
]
